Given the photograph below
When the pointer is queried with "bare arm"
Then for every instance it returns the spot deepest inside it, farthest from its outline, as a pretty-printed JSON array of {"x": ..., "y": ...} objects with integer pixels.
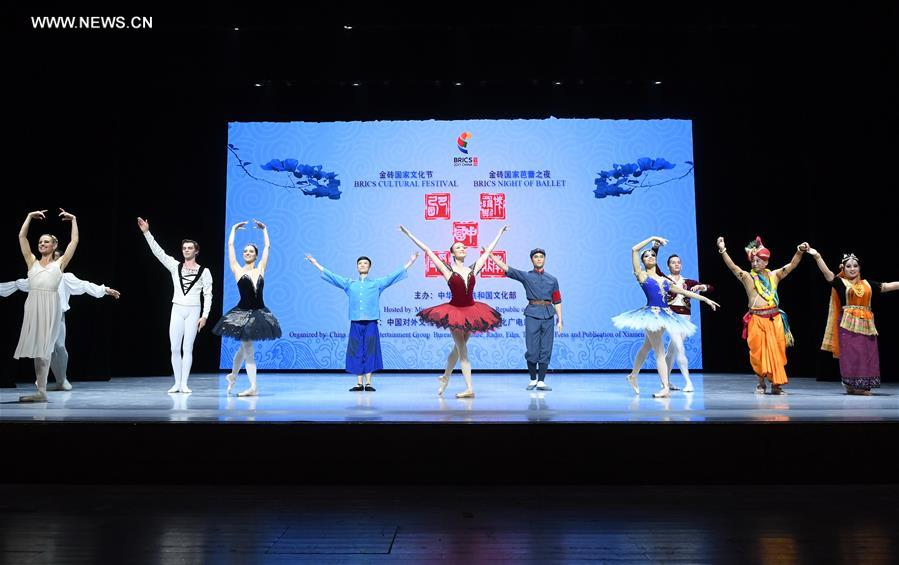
[
  {"x": 73, "y": 241},
  {"x": 479, "y": 264},
  {"x": 263, "y": 263},
  {"x": 232, "y": 255},
  {"x": 444, "y": 270},
  {"x": 411, "y": 260},
  {"x": 315, "y": 264},
  {"x": 499, "y": 263},
  {"x": 737, "y": 271},
  {"x": 822, "y": 266},
  {"x": 635, "y": 253},
  {"x": 558, "y": 308},
  {"x": 23, "y": 236},
  {"x": 782, "y": 272},
  {"x": 889, "y": 287}
]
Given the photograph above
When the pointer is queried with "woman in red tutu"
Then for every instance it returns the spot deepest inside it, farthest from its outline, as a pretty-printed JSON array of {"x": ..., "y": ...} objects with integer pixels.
[{"x": 461, "y": 315}]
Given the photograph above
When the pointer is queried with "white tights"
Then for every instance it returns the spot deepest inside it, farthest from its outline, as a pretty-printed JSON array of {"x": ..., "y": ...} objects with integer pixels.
[
  {"x": 59, "y": 360},
  {"x": 183, "y": 327},
  {"x": 245, "y": 354},
  {"x": 41, "y": 370},
  {"x": 675, "y": 353}
]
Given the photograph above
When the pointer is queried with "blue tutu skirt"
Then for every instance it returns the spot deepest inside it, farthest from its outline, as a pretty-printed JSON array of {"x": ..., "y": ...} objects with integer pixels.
[
  {"x": 257, "y": 324},
  {"x": 653, "y": 318}
]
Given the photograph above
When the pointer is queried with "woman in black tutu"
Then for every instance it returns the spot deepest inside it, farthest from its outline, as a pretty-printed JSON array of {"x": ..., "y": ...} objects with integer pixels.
[
  {"x": 250, "y": 320},
  {"x": 462, "y": 315}
]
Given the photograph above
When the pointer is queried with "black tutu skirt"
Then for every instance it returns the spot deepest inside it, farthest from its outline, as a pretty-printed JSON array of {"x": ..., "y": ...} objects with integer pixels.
[{"x": 258, "y": 324}]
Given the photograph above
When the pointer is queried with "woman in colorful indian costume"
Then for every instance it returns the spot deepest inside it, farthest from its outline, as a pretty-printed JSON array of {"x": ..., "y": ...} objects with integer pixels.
[
  {"x": 765, "y": 326},
  {"x": 656, "y": 317},
  {"x": 850, "y": 334}
]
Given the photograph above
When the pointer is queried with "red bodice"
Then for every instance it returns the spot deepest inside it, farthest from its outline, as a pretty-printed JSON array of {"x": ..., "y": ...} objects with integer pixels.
[{"x": 462, "y": 295}]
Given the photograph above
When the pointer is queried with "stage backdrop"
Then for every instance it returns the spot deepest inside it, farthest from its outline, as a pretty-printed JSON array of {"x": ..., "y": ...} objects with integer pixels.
[{"x": 585, "y": 190}]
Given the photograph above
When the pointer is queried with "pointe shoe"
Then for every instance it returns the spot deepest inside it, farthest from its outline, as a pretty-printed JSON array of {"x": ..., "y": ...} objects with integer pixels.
[
  {"x": 688, "y": 387},
  {"x": 466, "y": 394},
  {"x": 175, "y": 388},
  {"x": 39, "y": 396},
  {"x": 444, "y": 381},
  {"x": 663, "y": 392},
  {"x": 64, "y": 385},
  {"x": 231, "y": 380},
  {"x": 249, "y": 392},
  {"x": 632, "y": 379},
  {"x": 185, "y": 390}
]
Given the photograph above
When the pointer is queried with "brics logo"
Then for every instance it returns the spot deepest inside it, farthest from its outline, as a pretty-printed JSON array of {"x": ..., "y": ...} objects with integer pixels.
[
  {"x": 462, "y": 141},
  {"x": 462, "y": 144}
]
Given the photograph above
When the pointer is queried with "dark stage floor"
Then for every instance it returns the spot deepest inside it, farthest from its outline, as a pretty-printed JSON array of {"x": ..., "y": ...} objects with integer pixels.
[{"x": 62, "y": 525}]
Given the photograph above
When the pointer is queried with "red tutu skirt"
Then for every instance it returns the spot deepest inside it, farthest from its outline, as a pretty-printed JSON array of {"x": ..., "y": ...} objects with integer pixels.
[{"x": 475, "y": 318}]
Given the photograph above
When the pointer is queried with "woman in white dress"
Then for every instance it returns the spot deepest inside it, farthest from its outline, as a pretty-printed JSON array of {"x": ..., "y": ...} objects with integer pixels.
[{"x": 43, "y": 314}]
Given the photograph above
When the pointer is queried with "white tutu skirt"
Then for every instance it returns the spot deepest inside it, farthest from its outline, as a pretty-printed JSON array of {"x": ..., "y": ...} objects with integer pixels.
[{"x": 653, "y": 318}]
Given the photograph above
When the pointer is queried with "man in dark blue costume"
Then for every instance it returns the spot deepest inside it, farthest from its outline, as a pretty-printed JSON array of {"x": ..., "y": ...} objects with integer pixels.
[{"x": 544, "y": 304}]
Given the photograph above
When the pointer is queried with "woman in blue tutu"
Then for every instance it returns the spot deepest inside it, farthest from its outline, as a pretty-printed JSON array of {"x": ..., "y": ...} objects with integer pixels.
[
  {"x": 250, "y": 320},
  {"x": 656, "y": 317}
]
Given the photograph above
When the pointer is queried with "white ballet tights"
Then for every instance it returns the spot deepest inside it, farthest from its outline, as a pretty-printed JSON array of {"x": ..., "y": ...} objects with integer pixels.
[
  {"x": 245, "y": 354},
  {"x": 182, "y": 328},
  {"x": 41, "y": 370},
  {"x": 59, "y": 360},
  {"x": 676, "y": 353}
]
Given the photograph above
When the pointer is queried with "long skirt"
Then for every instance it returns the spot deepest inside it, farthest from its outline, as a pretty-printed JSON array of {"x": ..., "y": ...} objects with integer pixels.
[{"x": 859, "y": 360}]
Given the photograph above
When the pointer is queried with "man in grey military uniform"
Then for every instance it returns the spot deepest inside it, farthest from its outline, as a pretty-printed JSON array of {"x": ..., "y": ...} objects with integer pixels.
[{"x": 544, "y": 304}]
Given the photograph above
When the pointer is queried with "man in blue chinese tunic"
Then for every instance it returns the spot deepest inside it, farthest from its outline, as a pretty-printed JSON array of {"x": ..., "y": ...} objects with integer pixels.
[
  {"x": 363, "y": 351},
  {"x": 544, "y": 304}
]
